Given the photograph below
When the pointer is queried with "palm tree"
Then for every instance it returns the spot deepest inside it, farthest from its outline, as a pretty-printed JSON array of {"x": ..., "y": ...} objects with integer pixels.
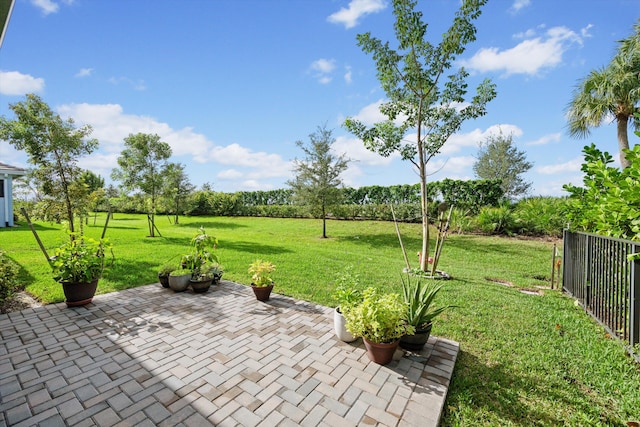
[{"x": 610, "y": 92}]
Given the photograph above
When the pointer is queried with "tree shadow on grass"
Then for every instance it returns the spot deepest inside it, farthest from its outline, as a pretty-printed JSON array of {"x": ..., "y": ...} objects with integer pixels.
[
  {"x": 255, "y": 248},
  {"x": 380, "y": 239},
  {"x": 212, "y": 225}
]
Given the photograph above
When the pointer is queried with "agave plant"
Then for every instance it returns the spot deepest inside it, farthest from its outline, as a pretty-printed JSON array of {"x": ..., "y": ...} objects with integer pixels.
[{"x": 419, "y": 298}]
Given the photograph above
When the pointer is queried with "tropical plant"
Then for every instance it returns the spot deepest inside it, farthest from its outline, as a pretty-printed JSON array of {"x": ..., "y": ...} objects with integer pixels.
[
  {"x": 611, "y": 91},
  {"x": 8, "y": 273},
  {"x": 261, "y": 272},
  {"x": 380, "y": 317},
  {"x": 421, "y": 98},
  {"x": 80, "y": 260},
  {"x": 347, "y": 293},
  {"x": 419, "y": 297}
]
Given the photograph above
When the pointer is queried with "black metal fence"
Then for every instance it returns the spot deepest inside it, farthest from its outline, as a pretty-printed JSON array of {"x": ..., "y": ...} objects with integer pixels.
[{"x": 597, "y": 272}]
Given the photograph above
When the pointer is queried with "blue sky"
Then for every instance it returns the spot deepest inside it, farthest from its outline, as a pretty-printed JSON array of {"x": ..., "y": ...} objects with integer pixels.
[{"x": 231, "y": 85}]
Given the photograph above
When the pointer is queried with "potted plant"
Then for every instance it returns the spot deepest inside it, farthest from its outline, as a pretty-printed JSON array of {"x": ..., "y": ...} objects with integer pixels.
[
  {"x": 418, "y": 297},
  {"x": 205, "y": 276},
  {"x": 163, "y": 274},
  {"x": 78, "y": 265},
  {"x": 261, "y": 281},
  {"x": 201, "y": 261},
  {"x": 380, "y": 320},
  {"x": 347, "y": 295}
]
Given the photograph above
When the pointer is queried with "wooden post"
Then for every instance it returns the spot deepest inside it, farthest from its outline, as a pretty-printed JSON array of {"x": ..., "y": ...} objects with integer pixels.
[
  {"x": 104, "y": 230},
  {"x": 553, "y": 265},
  {"x": 33, "y": 230}
]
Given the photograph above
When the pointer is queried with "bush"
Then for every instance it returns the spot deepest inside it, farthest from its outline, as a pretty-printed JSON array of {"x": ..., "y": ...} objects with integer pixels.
[
  {"x": 497, "y": 220},
  {"x": 8, "y": 274}
]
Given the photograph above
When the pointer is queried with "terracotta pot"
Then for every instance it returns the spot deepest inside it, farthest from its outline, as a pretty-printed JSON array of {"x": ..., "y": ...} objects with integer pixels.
[
  {"x": 78, "y": 294},
  {"x": 179, "y": 283},
  {"x": 339, "y": 325},
  {"x": 417, "y": 341},
  {"x": 200, "y": 286},
  {"x": 380, "y": 353},
  {"x": 262, "y": 292}
]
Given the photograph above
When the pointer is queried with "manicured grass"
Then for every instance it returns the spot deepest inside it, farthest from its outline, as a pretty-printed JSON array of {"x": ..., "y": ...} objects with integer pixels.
[{"x": 524, "y": 360}]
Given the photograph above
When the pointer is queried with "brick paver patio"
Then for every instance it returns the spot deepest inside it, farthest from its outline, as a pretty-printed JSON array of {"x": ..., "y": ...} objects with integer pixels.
[{"x": 150, "y": 357}]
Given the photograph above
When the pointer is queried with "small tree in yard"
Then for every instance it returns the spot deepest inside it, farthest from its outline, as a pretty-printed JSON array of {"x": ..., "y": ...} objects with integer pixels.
[
  {"x": 142, "y": 164},
  {"x": 500, "y": 159},
  {"x": 176, "y": 188},
  {"x": 54, "y": 147},
  {"x": 421, "y": 98},
  {"x": 317, "y": 183}
]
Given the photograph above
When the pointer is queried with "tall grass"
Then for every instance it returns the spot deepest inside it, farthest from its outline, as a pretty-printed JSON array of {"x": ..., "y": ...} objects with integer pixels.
[{"x": 525, "y": 359}]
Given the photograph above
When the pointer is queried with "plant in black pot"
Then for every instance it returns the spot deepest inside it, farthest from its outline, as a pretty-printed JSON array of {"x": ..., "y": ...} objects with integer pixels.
[
  {"x": 202, "y": 261},
  {"x": 78, "y": 265},
  {"x": 163, "y": 274},
  {"x": 418, "y": 297}
]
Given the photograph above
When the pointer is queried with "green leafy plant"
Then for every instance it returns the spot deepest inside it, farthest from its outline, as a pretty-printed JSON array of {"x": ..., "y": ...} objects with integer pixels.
[
  {"x": 419, "y": 297},
  {"x": 165, "y": 269},
  {"x": 347, "y": 293},
  {"x": 8, "y": 273},
  {"x": 380, "y": 317},
  {"x": 261, "y": 272},
  {"x": 80, "y": 260},
  {"x": 202, "y": 255}
]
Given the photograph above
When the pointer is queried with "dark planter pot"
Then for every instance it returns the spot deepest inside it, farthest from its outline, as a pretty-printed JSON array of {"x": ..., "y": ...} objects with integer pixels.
[
  {"x": 179, "y": 283},
  {"x": 262, "y": 292},
  {"x": 78, "y": 294},
  {"x": 164, "y": 280},
  {"x": 200, "y": 286},
  {"x": 417, "y": 341},
  {"x": 380, "y": 353}
]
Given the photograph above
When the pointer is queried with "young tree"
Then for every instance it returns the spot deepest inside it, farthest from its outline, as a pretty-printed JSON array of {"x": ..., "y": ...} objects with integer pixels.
[
  {"x": 53, "y": 146},
  {"x": 176, "y": 187},
  {"x": 612, "y": 91},
  {"x": 498, "y": 158},
  {"x": 142, "y": 165},
  {"x": 317, "y": 183},
  {"x": 421, "y": 98}
]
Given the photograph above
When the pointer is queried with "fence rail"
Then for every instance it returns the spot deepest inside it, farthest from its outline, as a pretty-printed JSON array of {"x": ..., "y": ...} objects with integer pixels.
[{"x": 596, "y": 271}]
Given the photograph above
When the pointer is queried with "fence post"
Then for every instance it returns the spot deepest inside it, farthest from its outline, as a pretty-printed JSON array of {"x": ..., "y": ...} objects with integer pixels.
[{"x": 634, "y": 297}]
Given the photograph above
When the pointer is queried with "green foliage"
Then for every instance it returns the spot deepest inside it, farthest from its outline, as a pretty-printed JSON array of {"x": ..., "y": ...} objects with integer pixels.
[
  {"x": 80, "y": 260},
  {"x": 53, "y": 146},
  {"x": 8, "y": 275},
  {"x": 498, "y": 220},
  {"x": 541, "y": 216},
  {"x": 167, "y": 268},
  {"x": 420, "y": 95},
  {"x": 419, "y": 296},
  {"x": 261, "y": 272},
  {"x": 499, "y": 159},
  {"x": 470, "y": 195},
  {"x": 609, "y": 202},
  {"x": 317, "y": 182},
  {"x": 176, "y": 188},
  {"x": 141, "y": 166},
  {"x": 611, "y": 91},
  {"x": 347, "y": 289},
  {"x": 202, "y": 255},
  {"x": 379, "y": 317}
]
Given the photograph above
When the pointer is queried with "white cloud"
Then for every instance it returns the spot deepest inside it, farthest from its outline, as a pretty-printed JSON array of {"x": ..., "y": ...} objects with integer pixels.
[
  {"x": 46, "y": 6},
  {"x": 519, "y": 5},
  {"x": 229, "y": 174},
  {"x": 347, "y": 75},
  {"x": 370, "y": 114},
  {"x": 530, "y": 57},
  {"x": 16, "y": 83},
  {"x": 546, "y": 139},
  {"x": 350, "y": 15},
  {"x": 355, "y": 150},
  {"x": 571, "y": 166},
  {"x": 472, "y": 139},
  {"x": 84, "y": 72},
  {"x": 322, "y": 69},
  {"x": 136, "y": 85}
]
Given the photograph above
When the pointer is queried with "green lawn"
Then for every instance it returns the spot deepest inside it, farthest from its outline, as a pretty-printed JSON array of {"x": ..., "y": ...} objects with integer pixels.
[{"x": 524, "y": 360}]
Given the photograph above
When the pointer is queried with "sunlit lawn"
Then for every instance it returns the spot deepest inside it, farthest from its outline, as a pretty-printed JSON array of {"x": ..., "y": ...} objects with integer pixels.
[{"x": 524, "y": 360}]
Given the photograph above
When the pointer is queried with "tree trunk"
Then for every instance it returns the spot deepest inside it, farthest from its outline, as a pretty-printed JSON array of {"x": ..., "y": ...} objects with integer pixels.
[
  {"x": 324, "y": 223},
  {"x": 623, "y": 139}
]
